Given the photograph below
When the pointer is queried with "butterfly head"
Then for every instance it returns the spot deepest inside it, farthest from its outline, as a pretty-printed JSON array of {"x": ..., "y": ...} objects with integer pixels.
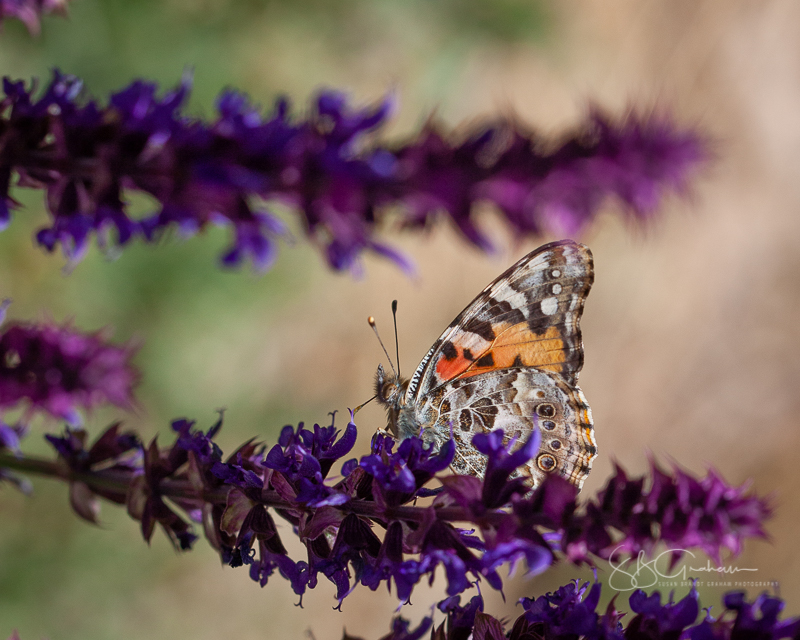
[
  {"x": 390, "y": 391},
  {"x": 388, "y": 387}
]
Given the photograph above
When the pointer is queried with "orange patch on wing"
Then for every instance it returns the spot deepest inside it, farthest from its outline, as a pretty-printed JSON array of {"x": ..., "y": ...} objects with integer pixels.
[
  {"x": 449, "y": 369},
  {"x": 541, "y": 350}
]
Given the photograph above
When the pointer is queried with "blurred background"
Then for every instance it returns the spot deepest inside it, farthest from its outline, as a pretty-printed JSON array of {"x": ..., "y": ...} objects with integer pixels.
[{"x": 691, "y": 331}]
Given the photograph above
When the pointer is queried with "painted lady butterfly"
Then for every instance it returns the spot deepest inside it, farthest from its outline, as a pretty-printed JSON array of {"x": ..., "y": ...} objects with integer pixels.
[{"x": 510, "y": 360}]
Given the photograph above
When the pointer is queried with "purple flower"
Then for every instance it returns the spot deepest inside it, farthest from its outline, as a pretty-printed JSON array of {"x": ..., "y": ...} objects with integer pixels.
[
  {"x": 655, "y": 621},
  {"x": 399, "y": 476},
  {"x": 401, "y": 630},
  {"x": 10, "y": 436},
  {"x": 146, "y": 502},
  {"x": 201, "y": 444},
  {"x": 460, "y": 620},
  {"x": 328, "y": 166},
  {"x": 758, "y": 619},
  {"x": 570, "y": 613},
  {"x": 303, "y": 459},
  {"x": 503, "y": 463},
  {"x": 59, "y": 370}
]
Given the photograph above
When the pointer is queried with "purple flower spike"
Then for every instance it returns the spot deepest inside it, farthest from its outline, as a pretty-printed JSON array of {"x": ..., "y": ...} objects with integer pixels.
[
  {"x": 58, "y": 370},
  {"x": 328, "y": 165},
  {"x": 307, "y": 452},
  {"x": 372, "y": 525},
  {"x": 649, "y": 157}
]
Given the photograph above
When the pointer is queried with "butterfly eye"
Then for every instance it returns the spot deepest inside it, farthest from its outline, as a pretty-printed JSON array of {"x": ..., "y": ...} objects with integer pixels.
[{"x": 388, "y": 390}]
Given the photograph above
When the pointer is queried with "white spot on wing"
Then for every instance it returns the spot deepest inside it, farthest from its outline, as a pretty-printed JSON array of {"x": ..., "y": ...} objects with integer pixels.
[
  {"x": 555, "y": 273},
  {"x": 556, "y": 288},
  {"x": 549, "y": 306}
]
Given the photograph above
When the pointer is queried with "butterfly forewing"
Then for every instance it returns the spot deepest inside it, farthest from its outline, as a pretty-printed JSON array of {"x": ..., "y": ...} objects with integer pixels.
[{"x": 528, "y": 317}]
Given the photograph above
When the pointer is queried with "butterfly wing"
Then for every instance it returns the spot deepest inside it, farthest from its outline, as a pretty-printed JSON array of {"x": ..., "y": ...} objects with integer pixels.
[
  {"x": 510, "y": 359},
  {"x": 514, "y": 400},
  {"x": 528, "y": 317}
]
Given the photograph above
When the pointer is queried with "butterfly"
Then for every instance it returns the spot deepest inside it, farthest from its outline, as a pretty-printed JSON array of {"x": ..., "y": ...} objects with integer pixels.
[{"x": 510, "y": 360}]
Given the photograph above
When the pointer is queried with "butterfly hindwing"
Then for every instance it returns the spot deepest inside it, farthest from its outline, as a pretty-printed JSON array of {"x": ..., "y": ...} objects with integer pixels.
[
  {"x": 514, "y": 400},
  {"x": 528, "y": 317}
]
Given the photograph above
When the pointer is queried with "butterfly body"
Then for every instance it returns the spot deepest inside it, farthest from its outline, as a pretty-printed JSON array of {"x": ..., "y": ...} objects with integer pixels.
[{"x": 510, "y": 360}]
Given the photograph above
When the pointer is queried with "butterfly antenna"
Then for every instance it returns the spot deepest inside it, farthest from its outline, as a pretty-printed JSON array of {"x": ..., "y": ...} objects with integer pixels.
[
  {"x": 396, "y": 341},
  {"x": 372, "y": 324}
]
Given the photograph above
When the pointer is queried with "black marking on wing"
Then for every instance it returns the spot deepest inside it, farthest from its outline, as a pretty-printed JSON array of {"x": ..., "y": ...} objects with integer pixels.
[
  {"x": 539, "y": 323},
  {"x": 485, "y": 360},
  {"x": 502, "y": 311},
  {"x": 479, "y": 327}
]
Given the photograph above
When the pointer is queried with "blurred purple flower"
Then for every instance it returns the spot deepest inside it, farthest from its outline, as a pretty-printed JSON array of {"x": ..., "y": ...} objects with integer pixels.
[
  {"x": 656, "y": 621},
  {"x": 758, "y": 619},
  {"x": 30, "y": 12},
  {"x": 570, "y": 613},
  {"x": 59, "y": 370},
  {"x": 329, "y": 167},
  {"x": 11, "y": 435}
]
